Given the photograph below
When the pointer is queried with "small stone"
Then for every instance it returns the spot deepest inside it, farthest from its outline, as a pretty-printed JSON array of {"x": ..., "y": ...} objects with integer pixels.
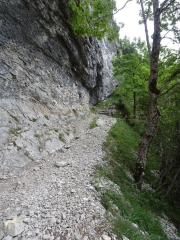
[
  {"x": 144, "y": 233},
  {"x": 11, "y": 216},
  {"x": 29, "y": 233},
  {"x": 85, "y": 199},
  {"x": 37, "y": 231},
  {"x": 3, "y": 178},
  {"x": 124, "y": 238},
  {"x": 26, "y": 220},
  {"x": 36, "y": 169},
  {"x": 1, "y": 234},
  {"x": 30, "y": 213},
  {"x": 47, "y": 236},
  {"x": 105, "y": 237},
  {"x": 61, "y": 164},
  {"x": 48, "y": 215},
  {"x": 7, "y": 238},
  {"x": 52, "y": 220},
  {"x": 93, "y": 204},
  {"x": 135, "y": 225},
  {"x": 67, "y": 146},
  {"x": 15, "y": 238},
  {"x": 85, "y": 238},
  {"x": 14, "y": 227},
  {"x": 58, "y": 221},
  {"x": 63, "y": 216},
  {"x": 18, "y": 209},
  {"x": 58, "y": 184}
]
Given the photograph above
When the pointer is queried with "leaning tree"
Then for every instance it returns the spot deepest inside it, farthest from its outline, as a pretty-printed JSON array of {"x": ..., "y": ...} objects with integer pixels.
[
  {"x": 166, "y": 20},
  {"x": 95, "y": 18}
]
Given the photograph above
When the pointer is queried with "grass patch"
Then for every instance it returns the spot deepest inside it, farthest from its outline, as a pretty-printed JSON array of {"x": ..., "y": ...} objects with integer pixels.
[
  {"x": 61, "y": 137},
  {"x": 141, "y": 208},
  {"x": 26, "y": 153},
  {"x": 15, "y": 131},
  {"x": 34, "y": 119},
  {"x": 47, "y": 117},
  {"x": 136, "y": 207},
  {"x": 93, "y": 124},
  {"x": 75, "y": 111},
  {"x": 37, "y": 135},
  {"x": 68, "y": 131},
  {"x": 15, "y": 118}
]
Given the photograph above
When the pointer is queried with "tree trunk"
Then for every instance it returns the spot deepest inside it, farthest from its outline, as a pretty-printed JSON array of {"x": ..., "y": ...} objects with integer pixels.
[
  {"x": 172, "y": 184},
  {"x": 146, "y": 139},
  {"x": 134, "y": 104},
  {"x": 153, "y": 113}
]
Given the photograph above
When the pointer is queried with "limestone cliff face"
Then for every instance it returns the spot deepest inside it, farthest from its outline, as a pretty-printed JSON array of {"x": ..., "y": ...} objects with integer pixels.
[
  {"x": 45, "y": 70},
  {"x": 41, "y": 57}
]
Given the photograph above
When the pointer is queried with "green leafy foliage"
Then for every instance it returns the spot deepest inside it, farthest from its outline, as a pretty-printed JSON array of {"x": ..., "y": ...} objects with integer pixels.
[
  {"x": 131, "y": 66},
  {"x": 131, "y": 206},
  {"x": 136, "y": 207},
  {"x": 61, "y": 137},
  {"x": 93, "y": 124},
  {"x": 93, "y": 18},
  {"x": 14, "y": 117}
]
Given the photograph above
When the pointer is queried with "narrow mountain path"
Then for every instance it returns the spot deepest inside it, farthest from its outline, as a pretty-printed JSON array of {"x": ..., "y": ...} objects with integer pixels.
[{"x": 53, "y": 198}]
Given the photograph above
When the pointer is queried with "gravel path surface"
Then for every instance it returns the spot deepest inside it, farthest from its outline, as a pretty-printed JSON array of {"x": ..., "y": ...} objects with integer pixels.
[{"x": 53, "y": 198}]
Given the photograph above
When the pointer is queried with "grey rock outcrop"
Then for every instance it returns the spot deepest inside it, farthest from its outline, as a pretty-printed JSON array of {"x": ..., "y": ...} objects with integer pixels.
[
  {"x": 48, "y": 78},
  {"x": 42, "y": 60}
]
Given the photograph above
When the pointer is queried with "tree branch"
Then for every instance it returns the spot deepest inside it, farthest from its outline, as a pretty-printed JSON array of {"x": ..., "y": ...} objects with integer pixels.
[
  {"x": 163, "y": 7},
  {"x": 95, "y": 19},
  {"x": 172, "y": 183},
  {"x": 169, "y": 89},
  {"x": 171, "y": 39},
  {"x": 167, "y": 33},
  {"x": 122, "y": 7},
  {"x": 146, "y": 28},
  {"x": 148, "y": 11},
  {"x": 163, "y": 3},
  {"x": 174, "y": 74}
]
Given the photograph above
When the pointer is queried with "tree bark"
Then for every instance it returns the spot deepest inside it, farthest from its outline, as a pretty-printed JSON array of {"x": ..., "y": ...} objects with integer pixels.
[
  {"x": 145, "y": 27},
  {"x": 134, "y": 105},
  {"x": 172, "y": 184},
  {"x": 153, "y": 117}
]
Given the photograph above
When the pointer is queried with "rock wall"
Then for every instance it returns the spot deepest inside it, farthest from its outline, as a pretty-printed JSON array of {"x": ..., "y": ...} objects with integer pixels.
[
  {"x": 45, "y": 72},
  {"x": 42, "y": 59}
]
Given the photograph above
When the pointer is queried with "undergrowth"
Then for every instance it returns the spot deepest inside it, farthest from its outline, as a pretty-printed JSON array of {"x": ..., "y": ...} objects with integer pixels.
[
  {"x": 135, "y": 208},
  {"x": 93, "y": 124}
]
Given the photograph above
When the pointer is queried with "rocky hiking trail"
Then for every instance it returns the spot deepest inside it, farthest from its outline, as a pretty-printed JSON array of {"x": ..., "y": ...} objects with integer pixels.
[{"x": 53, "y": 197}]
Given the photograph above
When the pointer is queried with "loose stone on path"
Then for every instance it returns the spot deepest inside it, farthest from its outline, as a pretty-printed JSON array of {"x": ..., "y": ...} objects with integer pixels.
[{"x": 55, "y": 195}]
